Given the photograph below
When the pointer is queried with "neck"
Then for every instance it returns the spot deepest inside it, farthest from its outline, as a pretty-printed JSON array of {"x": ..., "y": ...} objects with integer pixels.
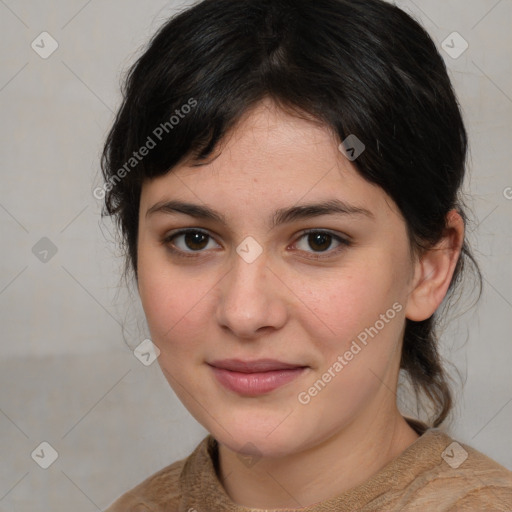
[{"x": 319, "y": 473}]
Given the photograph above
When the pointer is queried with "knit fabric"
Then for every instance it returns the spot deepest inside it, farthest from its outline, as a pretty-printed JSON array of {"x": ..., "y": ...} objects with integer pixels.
[{"x": 432, "y": 474}]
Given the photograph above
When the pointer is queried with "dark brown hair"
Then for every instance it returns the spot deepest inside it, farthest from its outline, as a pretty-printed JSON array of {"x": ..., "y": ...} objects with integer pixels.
[{"x": 360, "y": 67}]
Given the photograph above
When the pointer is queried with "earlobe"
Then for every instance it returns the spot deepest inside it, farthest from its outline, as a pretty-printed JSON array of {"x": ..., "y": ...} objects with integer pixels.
[{"x": 434, "y": 270}]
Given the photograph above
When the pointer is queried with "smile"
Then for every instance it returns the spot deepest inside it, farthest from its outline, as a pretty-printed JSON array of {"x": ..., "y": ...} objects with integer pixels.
[{"x": 256, "y": 377}]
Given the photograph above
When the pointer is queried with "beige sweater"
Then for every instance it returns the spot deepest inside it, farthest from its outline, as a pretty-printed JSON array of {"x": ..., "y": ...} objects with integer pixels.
[{"x": 433, "y": 474}]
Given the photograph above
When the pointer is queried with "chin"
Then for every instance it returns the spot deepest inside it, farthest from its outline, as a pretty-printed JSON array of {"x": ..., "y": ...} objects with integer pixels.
[{"x": 256, "y": 439}]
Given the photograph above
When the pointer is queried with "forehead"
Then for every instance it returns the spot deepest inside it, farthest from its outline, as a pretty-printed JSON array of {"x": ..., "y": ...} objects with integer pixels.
[{"x": 269, "y": 159}]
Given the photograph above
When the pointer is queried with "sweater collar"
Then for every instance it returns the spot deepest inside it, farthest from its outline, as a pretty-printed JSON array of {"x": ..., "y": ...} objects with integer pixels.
[{"x": 202, "y": 490}]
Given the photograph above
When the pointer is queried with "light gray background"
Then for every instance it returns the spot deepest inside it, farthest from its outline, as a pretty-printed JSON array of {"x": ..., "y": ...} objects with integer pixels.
[{"x": 67, "y": 376}]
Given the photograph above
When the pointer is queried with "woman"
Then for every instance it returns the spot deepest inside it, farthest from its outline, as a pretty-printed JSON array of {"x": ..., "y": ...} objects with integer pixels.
[{"x": 286, "y": 177}]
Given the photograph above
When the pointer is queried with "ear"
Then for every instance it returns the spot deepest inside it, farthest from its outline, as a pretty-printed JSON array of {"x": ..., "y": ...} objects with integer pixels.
[{"x": 434, "y": 269}]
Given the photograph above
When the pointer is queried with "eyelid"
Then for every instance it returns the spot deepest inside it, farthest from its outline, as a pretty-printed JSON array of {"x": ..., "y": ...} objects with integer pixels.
[
  {"x": 184, "y": 231},
  {"x": 339, "y": 236}
]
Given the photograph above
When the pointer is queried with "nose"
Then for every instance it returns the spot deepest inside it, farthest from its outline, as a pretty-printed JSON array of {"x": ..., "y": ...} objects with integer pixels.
[{"x": 252, "y": 300}]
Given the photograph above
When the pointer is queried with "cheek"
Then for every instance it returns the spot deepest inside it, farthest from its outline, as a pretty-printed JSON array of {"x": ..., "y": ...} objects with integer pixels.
[
  {"x": 364, "y": 314},
  {"x": 352, "y": 302},
  {"x": 175, "y": 303}
]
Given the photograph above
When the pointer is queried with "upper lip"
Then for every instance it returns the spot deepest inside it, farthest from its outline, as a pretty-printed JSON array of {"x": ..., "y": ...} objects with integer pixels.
[{"x": 256, "y": 366}]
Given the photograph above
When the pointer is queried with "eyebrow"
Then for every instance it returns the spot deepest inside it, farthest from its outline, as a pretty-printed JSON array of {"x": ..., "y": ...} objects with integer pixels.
[{"x": 281, "y": 216}]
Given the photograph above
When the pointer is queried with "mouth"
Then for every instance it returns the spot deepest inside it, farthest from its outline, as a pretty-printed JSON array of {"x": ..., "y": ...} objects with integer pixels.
[{"x": 253, "y": 378}]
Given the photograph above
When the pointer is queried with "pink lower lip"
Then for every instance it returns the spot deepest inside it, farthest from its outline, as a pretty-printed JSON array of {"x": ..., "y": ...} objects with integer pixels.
[{"x": 253, "y": 384}]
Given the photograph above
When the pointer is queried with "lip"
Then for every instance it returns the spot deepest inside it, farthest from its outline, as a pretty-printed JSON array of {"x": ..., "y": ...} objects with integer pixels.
[{"x": 253, "y": 378}]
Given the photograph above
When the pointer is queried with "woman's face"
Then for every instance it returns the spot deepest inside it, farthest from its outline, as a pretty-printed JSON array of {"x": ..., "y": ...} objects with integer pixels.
[{"x": 270, "y": 336}]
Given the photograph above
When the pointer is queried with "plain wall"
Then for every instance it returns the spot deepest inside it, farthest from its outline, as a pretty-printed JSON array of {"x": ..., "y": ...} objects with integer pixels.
[{"x": 67, "y": 375}]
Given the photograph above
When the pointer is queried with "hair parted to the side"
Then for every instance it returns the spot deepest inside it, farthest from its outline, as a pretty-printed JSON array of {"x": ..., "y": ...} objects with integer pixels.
[{"x": 361, "y": 67}]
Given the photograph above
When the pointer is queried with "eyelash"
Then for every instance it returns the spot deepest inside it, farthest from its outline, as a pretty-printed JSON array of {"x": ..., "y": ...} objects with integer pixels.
[{"x": 344, "y": 243}]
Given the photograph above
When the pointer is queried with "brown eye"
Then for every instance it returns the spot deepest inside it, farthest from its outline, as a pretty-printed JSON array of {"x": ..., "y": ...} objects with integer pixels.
[
  {"x": 196, "y": 240},
  {"x": 313, "y": 242},
  {"x": 188, "y": 241},
  {"x": 320, "y": 241}
]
